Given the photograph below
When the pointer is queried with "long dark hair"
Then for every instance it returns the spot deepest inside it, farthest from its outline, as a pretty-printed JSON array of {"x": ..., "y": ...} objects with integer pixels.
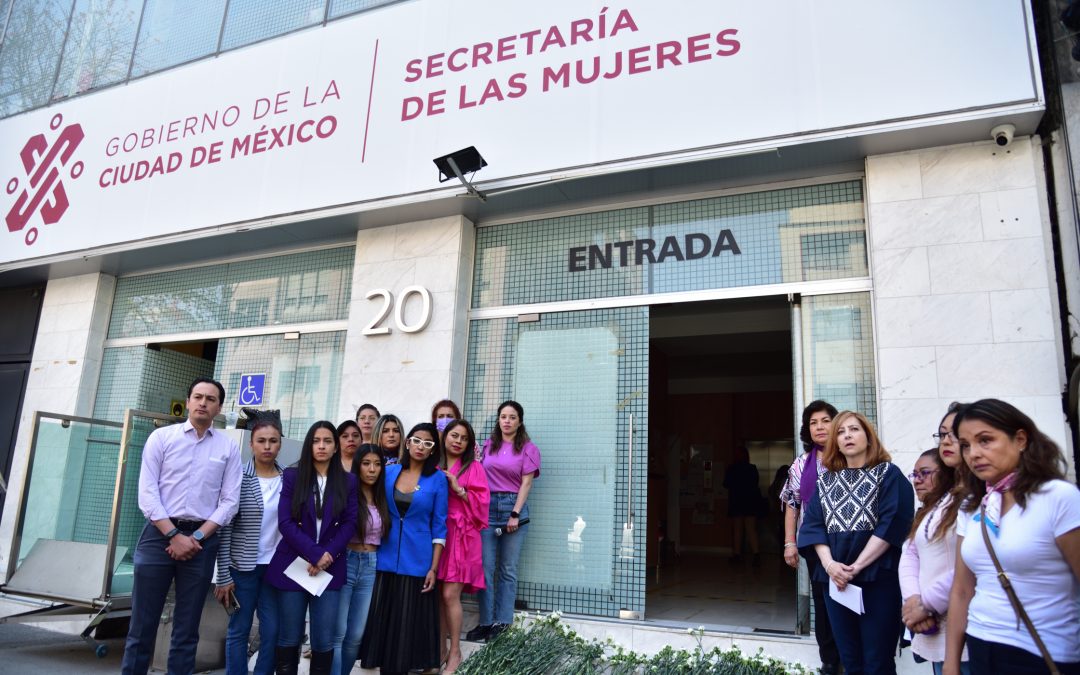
[
  {"x": 337, "y": 487},
  {"x": 469, "y": 455},
  {"x": 1040, "y": 461},
  {"x": 431, "y": 464},
  {"x": 807, "y": 413},
  {"x": 378, "y": 492},
  {"x": 520, "y": 438},
  {"x": 943, "y": 485}
]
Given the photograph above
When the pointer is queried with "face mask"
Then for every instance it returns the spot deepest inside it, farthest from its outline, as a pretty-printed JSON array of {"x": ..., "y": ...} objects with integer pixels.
[{"x": 442, "y": 423}]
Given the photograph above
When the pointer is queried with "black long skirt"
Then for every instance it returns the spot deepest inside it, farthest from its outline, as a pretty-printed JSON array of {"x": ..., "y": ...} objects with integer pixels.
[{"x": 402, "y": 632}]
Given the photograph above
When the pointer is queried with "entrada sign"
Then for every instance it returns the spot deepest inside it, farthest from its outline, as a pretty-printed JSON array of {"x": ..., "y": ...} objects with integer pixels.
[{"x": 638, "y": 251}]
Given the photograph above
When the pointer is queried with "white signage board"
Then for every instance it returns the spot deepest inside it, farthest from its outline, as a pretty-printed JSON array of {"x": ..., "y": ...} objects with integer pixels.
[{"x": 355, "y": 111}]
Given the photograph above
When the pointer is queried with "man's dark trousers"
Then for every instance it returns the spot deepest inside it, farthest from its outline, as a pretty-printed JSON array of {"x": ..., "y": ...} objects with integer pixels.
[{"x": 155, "y": 571}]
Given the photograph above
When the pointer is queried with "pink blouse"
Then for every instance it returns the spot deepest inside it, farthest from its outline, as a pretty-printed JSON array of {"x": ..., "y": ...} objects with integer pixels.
[{"x": 462, "y": 560}]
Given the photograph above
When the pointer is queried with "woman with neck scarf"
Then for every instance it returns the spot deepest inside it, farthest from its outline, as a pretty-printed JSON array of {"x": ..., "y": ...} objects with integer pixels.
[
  {"x": 799, "y": 488},
  {"x": 1018, "y": 508},
  {"x": 855, "y": 524}
]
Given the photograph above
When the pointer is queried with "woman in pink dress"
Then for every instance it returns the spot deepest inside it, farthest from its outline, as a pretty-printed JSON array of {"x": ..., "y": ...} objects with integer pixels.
[{"x": 462, "y": 565}]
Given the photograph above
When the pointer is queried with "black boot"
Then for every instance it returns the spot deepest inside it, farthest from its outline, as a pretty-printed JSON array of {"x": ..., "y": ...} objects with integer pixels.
[
  {"x": 322, "y": 662},
  {"x": 287, "y": 660}
]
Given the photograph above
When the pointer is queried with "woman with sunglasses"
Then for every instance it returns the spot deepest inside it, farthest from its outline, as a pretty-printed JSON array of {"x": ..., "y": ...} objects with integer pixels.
[
  {"x": 402, "y": 632},
  {"x": 928, "y": 559}
]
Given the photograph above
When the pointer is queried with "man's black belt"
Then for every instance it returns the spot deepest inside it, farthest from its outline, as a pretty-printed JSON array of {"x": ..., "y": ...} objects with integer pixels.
[{"x": 187, "y": 525}]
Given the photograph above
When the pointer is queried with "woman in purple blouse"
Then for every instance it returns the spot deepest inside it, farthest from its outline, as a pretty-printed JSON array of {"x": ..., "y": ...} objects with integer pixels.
[{"x": 511, "y": 462}]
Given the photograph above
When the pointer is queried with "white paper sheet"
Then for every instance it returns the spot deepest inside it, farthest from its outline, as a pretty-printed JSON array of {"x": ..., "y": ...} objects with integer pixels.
[
  {"x": 850, "y": 597},
  {"x": 298, "y": 572}
]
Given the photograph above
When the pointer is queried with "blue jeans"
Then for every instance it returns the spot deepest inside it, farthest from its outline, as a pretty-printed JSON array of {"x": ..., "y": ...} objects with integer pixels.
[
  {"x": 353, "y": 609},
  {"x": 155, "y": 571},
  {"x": 292, "y": 608},
  {"x": 501, "y": 554},
  {"x": 252, "y": 594}
]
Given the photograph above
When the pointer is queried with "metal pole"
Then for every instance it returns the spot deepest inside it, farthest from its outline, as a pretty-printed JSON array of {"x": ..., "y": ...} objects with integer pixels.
[{"x": 20, "y": 515}]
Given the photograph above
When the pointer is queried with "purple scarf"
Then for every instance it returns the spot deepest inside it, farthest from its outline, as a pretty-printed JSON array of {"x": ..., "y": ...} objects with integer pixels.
[{"x": 808, "y": 480}]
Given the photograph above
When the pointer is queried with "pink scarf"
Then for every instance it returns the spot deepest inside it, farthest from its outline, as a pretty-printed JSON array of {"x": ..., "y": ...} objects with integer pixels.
[{"x": 991, "y": 502}]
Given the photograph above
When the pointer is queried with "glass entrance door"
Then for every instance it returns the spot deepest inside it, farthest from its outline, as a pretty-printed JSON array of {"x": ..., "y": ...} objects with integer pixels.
[{"x": 582, "y": 378}]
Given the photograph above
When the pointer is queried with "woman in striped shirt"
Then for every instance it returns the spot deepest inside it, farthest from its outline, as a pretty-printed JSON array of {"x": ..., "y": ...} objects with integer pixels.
[{"x": 247, "y": 544}]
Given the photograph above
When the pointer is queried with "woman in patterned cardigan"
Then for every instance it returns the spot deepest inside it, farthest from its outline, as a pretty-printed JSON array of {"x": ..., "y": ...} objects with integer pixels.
[{"x": 855, "y": 524}]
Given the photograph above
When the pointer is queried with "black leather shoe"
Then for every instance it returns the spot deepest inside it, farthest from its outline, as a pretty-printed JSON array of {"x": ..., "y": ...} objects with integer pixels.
[
  {"x": 830, "y": 669},
  {"x": 497, "y": 630},
  {"x": 478, "y": 634}
]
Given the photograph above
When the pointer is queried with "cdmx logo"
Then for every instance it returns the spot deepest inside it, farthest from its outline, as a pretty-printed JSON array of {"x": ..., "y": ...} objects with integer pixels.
[{"x": 45, "y": 193}]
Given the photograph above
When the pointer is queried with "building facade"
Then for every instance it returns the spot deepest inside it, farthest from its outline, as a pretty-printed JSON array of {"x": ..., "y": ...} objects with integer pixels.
[{"x": 695, "y": 219}]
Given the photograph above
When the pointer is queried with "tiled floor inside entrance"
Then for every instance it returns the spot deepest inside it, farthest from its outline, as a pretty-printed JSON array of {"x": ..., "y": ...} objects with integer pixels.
[{"x": 709, "y": 590}]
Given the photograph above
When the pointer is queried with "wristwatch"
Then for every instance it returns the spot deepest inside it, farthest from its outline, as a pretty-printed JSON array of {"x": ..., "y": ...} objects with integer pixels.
[
  {"x": 198, "y": 535},
  {"x": 515, "y": 514},
  {"x": 172, "y": 533}
]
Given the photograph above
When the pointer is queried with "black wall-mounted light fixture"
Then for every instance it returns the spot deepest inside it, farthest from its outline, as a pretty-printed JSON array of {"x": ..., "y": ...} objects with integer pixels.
[{"x": 457, "y": 164}]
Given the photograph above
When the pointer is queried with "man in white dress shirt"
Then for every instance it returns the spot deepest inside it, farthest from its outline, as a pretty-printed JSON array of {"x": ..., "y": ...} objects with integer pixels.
[{"x": 189, "y": 486}]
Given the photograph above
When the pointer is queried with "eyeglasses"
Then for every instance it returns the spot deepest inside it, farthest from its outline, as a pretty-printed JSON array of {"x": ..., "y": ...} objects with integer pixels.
[
  {"x": 920, "y": 476},
  {"x": 427, "y": 445},
  {"x": 939, "y": 437}
]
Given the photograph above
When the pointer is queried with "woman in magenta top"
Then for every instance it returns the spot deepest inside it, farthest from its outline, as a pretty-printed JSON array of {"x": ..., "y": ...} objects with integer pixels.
[
  {"x": 461, "y": 567},
  {"x": 511, "y": 461}
]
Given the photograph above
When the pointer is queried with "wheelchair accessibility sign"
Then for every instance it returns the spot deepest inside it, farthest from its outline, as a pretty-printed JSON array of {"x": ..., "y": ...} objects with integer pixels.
[{"x": 251, "y": 389}]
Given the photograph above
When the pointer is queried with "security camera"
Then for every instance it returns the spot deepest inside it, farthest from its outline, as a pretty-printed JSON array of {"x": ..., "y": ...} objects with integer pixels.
[{"x": 1003, "y": 134}]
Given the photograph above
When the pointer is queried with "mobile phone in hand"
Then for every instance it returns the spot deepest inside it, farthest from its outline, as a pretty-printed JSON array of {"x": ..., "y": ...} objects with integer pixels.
[{"x": 232, "y": 605}]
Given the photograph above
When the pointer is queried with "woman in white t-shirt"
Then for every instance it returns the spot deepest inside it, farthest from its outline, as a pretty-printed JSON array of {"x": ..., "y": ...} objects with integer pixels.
[
  {"x": 1016, "y": 489},
  {"x": 247, "y": 544}
]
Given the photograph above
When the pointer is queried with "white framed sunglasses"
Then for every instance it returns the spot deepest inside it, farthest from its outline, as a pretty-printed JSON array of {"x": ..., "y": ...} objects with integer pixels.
[{"x": 427, "y": 445}]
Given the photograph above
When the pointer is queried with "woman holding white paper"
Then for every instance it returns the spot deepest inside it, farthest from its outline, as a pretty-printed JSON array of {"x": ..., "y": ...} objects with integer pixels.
[
  {"x": 855, "y": 524},
  {"x": 317, "y": 517}
]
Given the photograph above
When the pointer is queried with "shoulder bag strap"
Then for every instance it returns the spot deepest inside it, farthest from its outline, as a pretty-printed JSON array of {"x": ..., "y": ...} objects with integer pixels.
[{"x": 1011, "y": 592}]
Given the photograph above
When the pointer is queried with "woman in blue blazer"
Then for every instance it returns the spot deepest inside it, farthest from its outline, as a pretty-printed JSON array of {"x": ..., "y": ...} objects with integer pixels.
[
  {"x": 317, "y": 517},
  {"x": 402, "y": 631}
]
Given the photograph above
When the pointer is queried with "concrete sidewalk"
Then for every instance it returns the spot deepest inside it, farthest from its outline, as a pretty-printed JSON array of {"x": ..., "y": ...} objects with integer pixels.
[{"x": 55, "y": 648}]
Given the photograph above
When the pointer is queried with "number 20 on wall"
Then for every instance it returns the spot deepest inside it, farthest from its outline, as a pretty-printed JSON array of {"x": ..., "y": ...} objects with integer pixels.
[{"x": 388, "y": 306}]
